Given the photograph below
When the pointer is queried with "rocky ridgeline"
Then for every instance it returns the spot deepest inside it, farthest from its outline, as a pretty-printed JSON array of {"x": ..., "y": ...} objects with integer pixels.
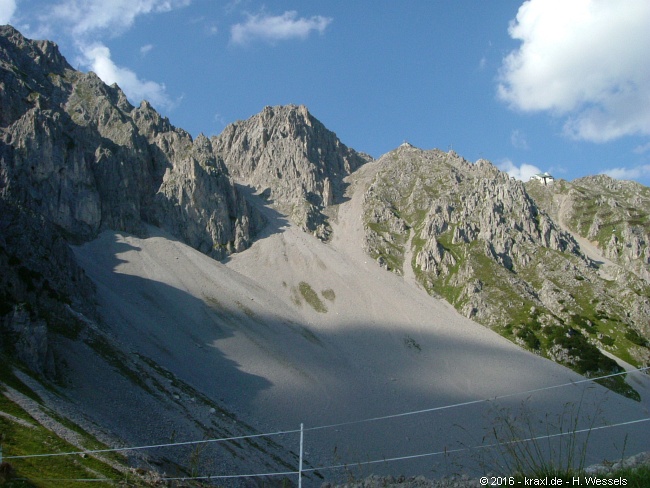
[
  {"x": 293, "y": 160},
  {"x": 474, "y": 236},
  {"x": 75, "y": 151},
  {"x": 441, "y": 193}
]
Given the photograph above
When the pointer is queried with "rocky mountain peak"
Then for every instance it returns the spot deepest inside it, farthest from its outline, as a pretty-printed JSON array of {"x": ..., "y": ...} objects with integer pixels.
[
  {"x": 291, "y": 157},
  {"x": 562, "y": 270},
  {"x": 44, "y": 54}
]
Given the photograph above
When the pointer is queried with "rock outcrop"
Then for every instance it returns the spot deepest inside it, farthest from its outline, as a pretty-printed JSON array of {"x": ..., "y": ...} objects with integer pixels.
[{"x": 292, "y": 159}]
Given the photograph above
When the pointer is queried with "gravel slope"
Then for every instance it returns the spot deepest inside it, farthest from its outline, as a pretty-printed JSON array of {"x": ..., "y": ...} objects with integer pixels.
[{"x": 242, "y": 332}]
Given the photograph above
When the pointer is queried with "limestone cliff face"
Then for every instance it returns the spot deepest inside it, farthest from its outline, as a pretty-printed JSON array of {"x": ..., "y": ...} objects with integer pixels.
[
  {"x": 77, "y": 152},
  {"x": 476, "y": 237},
  {"x": 198, "y": 202},
  {"x": 293, "y": 159}
]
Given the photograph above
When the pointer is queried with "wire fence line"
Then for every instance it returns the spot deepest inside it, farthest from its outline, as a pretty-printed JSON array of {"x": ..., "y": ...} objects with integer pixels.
[
  {"x": 474, "y": 402},
  {"x": 343, "y": 424},
  {"x": 329, "y": 426},
  {"x": 363, "y": 463},
  {"x": 481, "y": 446},
  {"x": 421, "y": 455}
]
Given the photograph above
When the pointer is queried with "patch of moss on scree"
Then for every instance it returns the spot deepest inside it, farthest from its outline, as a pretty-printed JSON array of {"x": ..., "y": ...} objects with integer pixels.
[
  {"x": 329, "y": 294},
  {"x": 311, "y": 297}
]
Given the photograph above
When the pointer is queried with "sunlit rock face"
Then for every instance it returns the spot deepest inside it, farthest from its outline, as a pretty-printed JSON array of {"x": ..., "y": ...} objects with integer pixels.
[
  {"x": 293, "y": 159},
  {"x": 77, "y": 152},
  {"x": 506, "y": 255}
]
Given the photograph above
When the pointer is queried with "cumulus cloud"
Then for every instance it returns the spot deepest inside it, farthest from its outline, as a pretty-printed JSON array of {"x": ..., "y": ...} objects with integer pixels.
[
  {"x": 629, "y": 173},
  {"x": 523, "y": 172},
  {"x": 585, "y": 60},
  {"x": 7, "y": 10},
  {"x": 277, "y": 28},
  {"x": 98, "y": 58},
  {"x": 86, "y": 17},
  {"x": 85, "y": 22}
]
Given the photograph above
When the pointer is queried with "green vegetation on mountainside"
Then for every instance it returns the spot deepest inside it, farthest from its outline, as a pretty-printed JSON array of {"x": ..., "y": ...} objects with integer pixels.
[
  {"x": 481, "y": 242},
  {"x": 614, "y": 215}
]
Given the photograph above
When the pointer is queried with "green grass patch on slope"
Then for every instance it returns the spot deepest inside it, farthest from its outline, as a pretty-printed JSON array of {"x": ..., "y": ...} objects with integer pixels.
[
  {"x": 311, "y": 297},
  {"x": 26, "y": 436},
  {"x": 328, "y": 294}
]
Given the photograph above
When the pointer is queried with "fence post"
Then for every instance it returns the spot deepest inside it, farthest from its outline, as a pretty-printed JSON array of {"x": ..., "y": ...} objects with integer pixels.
[{"x": 300, "y": 459}]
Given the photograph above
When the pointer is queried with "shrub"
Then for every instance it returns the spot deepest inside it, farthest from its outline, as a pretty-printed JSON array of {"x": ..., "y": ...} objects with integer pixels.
[
  {"x": 529, "y": 338},
  {"x": 634, "y": 337}
]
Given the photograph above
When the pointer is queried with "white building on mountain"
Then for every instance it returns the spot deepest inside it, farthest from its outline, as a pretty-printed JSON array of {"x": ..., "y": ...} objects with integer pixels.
[{"x": 544, "y": 178}]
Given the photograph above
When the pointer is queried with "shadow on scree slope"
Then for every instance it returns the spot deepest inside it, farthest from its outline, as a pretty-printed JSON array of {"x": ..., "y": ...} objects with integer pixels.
[
  {"x": 144, "y": 324},
  {"x": 355, "y": 373}
]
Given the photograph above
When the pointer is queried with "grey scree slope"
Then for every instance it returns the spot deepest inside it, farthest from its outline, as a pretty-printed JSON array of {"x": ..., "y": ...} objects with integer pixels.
[{"x": 243, "y": 333}]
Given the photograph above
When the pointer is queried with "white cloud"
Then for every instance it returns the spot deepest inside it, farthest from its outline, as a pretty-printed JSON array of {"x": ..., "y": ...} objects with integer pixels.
[
  {"x": 586, "y": 60},
  {"x": 523, "y": 172},
  {"x": 277, "y": 28},
  {"x": 84, "y": 22},
  {"x": 98, "y": 58},
  {"x": 7, "y": 10},
  {"x": 144, "y": 50},
  {"x": 86, "y": 17},
  {"x": 629, "y": 173}
]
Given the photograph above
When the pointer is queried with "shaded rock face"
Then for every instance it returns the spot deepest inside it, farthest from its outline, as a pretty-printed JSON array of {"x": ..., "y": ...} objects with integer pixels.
[
  {"x": 42, "y": 289},
  {"x": 293, "y": 159},
  {"x": 75, "y": 151},
  {"x": 222, "y": 222},
  {"x": 476, "y": 237}
]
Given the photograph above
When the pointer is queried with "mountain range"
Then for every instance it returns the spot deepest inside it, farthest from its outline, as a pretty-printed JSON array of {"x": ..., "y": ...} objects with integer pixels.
[{"x": 160, "y": 289}]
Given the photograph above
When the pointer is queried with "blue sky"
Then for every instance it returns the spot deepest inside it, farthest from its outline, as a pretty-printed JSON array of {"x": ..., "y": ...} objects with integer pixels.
[{"x": 541, "y": 85}]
